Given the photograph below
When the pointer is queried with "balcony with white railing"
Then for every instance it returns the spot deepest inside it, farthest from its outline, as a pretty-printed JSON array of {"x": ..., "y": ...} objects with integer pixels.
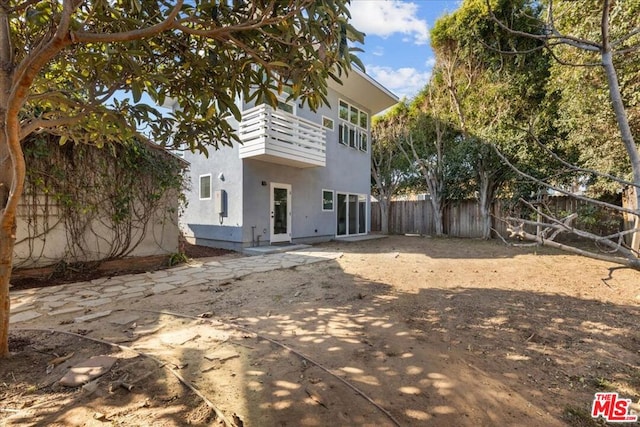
[{"x": 279, "y": 137}]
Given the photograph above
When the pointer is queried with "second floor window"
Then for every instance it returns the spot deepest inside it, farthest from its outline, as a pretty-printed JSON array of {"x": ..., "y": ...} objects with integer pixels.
[
  {"x": 286, "y": 106},
  {"x": 353, "y": 126},
  {"x": 327, "y": 123},
  {"x": 283, "y": 103}
]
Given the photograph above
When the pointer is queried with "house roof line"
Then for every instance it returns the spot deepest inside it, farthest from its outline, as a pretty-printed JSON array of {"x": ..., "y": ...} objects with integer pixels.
[
  {"x": 376, "y": 83},
  {"x": 363, "y": 89}
]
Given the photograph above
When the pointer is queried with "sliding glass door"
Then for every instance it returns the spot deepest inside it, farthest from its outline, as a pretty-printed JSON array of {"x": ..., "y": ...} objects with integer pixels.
[{"x": 351, "y": 214}]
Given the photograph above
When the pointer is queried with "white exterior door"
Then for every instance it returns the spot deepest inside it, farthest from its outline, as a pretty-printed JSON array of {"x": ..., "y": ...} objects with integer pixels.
[{"x": 280, "y": 212}]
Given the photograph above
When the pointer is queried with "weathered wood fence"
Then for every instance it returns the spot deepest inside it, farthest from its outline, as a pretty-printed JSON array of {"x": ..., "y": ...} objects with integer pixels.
[
  {"x": 461, "y": 219},
  {"x": 416, "y": 217}
]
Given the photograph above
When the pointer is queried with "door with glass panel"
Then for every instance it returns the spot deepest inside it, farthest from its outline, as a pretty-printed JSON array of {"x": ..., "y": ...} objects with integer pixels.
[{"x": 280, "y": 213}]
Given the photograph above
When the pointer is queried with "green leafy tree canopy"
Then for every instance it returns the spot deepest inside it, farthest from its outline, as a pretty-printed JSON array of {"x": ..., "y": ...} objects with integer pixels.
[{"x": 62, "y": 62}]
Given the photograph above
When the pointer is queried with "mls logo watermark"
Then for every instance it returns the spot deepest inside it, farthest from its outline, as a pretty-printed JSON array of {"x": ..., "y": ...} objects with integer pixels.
[{"x": 612, "y": 408}]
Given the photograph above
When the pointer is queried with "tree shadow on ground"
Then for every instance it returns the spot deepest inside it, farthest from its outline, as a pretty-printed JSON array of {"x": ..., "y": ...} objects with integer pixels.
[
  {"x": 430, "y": 353},
  {"x": 31, "y": 395},
  {"x": 462, "y": 356}
]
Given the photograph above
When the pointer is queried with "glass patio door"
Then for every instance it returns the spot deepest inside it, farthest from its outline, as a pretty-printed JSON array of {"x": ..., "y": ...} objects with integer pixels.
[{"x": 351, "y": 214}]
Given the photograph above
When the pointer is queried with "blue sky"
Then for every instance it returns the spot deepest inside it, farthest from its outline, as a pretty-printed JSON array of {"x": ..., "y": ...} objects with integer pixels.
[{"x": 397, "y": 52}]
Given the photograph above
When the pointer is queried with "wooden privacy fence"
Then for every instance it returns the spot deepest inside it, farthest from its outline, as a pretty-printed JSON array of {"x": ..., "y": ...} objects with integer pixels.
[
  {"x": 460, "y": 219},
  {"x": 416, "y": 217}
]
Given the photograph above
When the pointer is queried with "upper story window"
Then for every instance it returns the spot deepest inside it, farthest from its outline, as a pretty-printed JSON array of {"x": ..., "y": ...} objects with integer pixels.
[
  {"x": 289, "y": 107},
  {"x": 344, "y": 110},
  {"x": 353, "y": 127},
  {"x": 283, "y": 104},
  {"x": 364, "y": 120},
  {"x": 327, "y": 123}
]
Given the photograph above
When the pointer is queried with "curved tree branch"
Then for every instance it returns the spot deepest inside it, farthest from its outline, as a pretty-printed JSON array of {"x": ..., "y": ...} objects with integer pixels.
[
  {"x": 518, "y": 231},
  {"x": 551, "y": 34},
  {"x": 142, "y": 33},
  {"x": 34, "y": 62},
  {"x": 626, "y": 37},
  {"x": 564, "y": 225},
  {"x": 37, "y": 124},
  {"x": 22, "y": 6},
  {"x": 560, "y": 190},
  {"x": 571, "y": 166}
]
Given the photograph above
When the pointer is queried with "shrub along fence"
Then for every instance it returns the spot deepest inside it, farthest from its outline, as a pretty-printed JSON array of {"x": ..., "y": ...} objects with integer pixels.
[{"x": 463, "y": 219}]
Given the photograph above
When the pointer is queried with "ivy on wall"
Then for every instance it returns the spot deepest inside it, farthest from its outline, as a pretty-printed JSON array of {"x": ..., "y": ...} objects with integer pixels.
[{"x": 105, "y": 198}]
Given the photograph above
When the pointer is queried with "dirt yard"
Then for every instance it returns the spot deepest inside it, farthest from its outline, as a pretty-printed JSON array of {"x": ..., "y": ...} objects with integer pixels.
[{"x": 403, "y": 331}]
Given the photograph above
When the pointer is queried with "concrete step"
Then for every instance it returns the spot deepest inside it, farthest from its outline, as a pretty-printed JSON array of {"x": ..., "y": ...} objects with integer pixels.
[{"x": 273, "y": 249}]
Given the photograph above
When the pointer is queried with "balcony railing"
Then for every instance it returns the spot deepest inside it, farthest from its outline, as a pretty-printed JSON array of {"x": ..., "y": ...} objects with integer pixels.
[{"x": 279, "y": 137}]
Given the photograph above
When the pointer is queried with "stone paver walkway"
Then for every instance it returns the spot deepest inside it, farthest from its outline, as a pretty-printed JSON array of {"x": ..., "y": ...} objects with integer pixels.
[{"x": 30, "y": 304}]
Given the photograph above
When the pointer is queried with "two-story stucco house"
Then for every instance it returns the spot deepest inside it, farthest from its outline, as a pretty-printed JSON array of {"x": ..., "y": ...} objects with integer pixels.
[{"x": 299, "y": 176}]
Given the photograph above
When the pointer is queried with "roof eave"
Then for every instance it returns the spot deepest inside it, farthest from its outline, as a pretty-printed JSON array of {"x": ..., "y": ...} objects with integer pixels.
[{"x": 364, "y": 90}]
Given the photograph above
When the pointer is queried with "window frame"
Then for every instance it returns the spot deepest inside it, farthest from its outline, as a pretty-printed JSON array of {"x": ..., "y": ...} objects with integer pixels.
[
  {"x": 358, "y": 113},
  {"x": 366, "y": 119},
  {"x": 364, "y": 142},
  {"x": 343, "y": 134},
  {"x": 329, "y": 120},
  {"x": 207, "y": 175},
  {"x": 283, "y": 99},
  {"x": 342, "y": 103},
  {"x": 353, "y": 138},
  {"x": 354, "y": 115},
  {"x": 350, "y": 132},
  {"x": 291, "y": 103},
  {"x": 333, "y": 200}
]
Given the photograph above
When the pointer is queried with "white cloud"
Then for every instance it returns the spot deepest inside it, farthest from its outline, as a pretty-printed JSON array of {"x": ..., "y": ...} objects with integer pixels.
[
  {"x": 384, "y": 18},
  {"x": 430, "y": 62},
  {"x": 403, "y": 81},
  {"x": 378, "y": 51}
]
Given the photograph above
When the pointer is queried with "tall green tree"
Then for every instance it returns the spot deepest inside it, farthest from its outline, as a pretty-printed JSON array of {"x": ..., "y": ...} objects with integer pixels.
[
  {"x": 596, "y": 48},
  {"x": 61, "y": 62},
  {"x": 390, "y": 170},
  {"x": 426, "y": 144},
  {"x": 585, "y": 126},
  {"x": 486, "y": 92}
]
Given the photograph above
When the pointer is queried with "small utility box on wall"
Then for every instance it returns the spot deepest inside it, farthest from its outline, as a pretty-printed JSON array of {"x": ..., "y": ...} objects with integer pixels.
[{"x": 220, "y": 202}]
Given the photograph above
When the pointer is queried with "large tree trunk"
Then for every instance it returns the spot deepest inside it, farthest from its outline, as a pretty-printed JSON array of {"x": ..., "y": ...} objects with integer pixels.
[
  {"x": 14, "y": 182},
  {"x": 11, "y": 140},
  {"x": 8, "y": 176},
  {"x": 384, "y": 215},
  {"x": 15, "y": 163},
  {"x": 7, "y": 241},
  {"x": 621, "y": 116},
  {"x": 485, "y": 197},
  {"x": 627, "y": 138},
  {"x": 630, "y": 201},
  {"x": 438, "y": 214}
]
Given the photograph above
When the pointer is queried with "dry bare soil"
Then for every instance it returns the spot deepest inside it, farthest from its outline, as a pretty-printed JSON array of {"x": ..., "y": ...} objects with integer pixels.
[{"x": 399, "y": 331}]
